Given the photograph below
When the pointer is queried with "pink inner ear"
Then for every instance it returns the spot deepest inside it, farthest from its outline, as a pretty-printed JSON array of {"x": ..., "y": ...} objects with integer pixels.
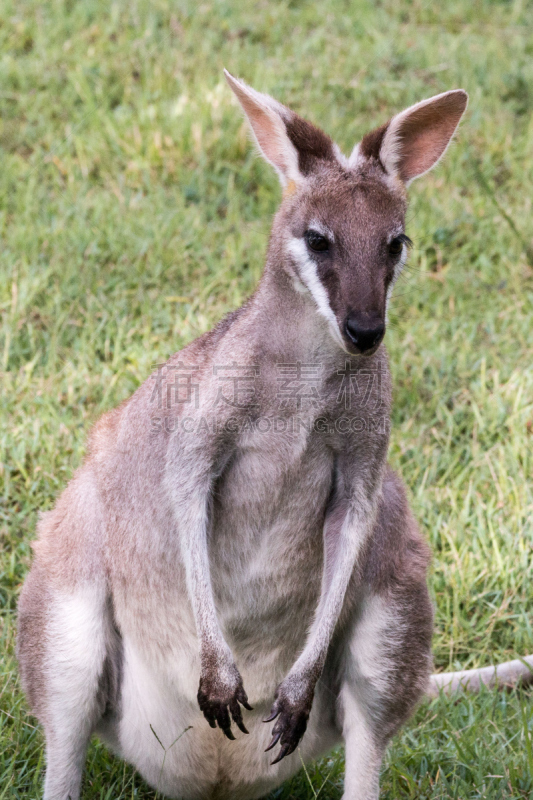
[
  {"x": 425, "y": 133},
  {"x": 267, "y": 131}
]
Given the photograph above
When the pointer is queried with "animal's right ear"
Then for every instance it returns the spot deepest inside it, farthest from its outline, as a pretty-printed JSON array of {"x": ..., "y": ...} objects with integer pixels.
[{"x": 267, "y": 120}]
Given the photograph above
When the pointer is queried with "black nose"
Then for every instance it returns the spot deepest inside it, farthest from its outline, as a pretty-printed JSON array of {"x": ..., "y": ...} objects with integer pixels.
[{"x": 365, "y": 331}]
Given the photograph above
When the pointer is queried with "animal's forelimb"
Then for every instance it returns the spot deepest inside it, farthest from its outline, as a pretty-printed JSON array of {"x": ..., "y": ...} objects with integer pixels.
[
  {"x": 509, "y": 674},
  {"x": 221, "y": 691},
  {"x": 345, "y": 532}
]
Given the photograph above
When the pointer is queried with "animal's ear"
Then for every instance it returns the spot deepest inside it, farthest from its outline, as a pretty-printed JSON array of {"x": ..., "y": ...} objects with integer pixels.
[
  {"x": 291, "y": 144},
  {"x": 414, "y": 140}
]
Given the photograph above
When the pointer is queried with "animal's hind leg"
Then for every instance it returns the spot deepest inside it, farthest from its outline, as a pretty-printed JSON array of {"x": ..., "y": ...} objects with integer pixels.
[
  {"x": 387, "y": 664},
  {"x": 63, "y": 667},
  {"x": 386, "y": 651},
  {"x": 363, "y": 750},
  {"x": 78, "y": 639}
]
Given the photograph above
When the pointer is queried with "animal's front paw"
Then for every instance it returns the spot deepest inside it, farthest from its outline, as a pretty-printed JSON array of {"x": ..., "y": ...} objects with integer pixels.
[
  {"x": 292, "y": 706},
  {"x": 219, "y": 695}
]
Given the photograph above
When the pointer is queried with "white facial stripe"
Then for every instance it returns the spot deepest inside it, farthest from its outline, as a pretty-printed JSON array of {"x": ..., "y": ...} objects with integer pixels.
[
  {"x": 397, "y": 271},
  {"x": 309, "y": 275},
  {"x": 401, "y": 262}
]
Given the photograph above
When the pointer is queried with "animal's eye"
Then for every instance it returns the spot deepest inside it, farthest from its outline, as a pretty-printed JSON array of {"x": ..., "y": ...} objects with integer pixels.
[
  {"x": 317, "y": 242},
  {"x": 396, "y": 244}
]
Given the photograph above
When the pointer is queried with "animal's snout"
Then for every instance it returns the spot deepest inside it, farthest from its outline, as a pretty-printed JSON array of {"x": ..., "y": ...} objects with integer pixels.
[{"x": 364, "y": 330}]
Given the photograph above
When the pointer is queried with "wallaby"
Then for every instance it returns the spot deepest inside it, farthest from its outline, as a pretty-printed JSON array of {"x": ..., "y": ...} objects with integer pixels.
[{"x": 223, "y": 548}]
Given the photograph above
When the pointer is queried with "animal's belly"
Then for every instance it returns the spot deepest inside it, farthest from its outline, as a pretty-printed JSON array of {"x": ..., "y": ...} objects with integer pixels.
[{"x": 162, "y": 732}]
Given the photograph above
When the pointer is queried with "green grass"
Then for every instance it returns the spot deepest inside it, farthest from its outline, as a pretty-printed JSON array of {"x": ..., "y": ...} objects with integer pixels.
[{"x": 133, "y": 215}]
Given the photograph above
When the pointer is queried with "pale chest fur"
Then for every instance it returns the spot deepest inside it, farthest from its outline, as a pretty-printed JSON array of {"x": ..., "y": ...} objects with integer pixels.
[{"x": 266, "y": 540}]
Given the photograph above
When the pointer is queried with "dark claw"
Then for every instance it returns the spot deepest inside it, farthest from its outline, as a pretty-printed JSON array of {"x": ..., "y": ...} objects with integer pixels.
[
  {"x": 210, "y": 714},
  {"x": 282, "y": 753},
  {"x": 242, "y": 697},
  {"x": 237, "y": 716},
  {"x": 274, "y": 741},
  {"x": 272, "y": 716},
  {"x": 292, "y": 747},
  {"x": 224, "y": 722},
  {"x": 241, "y": 726}
]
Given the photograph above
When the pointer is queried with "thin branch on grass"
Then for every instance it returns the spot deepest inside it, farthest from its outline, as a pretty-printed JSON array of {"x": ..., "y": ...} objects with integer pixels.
[
  {"x": 166, "y": 750},
  {"x": 491, "y": 194}
]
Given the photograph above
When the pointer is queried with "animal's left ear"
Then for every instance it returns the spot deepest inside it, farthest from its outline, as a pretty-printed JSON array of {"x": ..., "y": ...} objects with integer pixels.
[{"x": 414, "y": 140}]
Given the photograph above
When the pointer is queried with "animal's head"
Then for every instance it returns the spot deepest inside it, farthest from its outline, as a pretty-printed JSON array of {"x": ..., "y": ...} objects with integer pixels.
[{"x": 342, "y": 220}]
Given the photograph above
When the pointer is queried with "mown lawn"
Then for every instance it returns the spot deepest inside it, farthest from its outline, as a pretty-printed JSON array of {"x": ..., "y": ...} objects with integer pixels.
[{"x": 134, "y": 214}]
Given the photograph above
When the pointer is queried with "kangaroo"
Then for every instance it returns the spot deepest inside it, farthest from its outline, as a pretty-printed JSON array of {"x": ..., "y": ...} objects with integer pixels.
[{"x": 235, "y": 549}]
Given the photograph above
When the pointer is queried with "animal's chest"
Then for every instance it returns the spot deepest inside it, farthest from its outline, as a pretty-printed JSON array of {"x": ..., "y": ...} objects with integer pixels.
[{"x": 266, "y": 544}]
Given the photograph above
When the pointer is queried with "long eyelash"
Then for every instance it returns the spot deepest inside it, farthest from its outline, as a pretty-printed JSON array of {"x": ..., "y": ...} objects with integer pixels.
[{"x": 405, "y": 239}]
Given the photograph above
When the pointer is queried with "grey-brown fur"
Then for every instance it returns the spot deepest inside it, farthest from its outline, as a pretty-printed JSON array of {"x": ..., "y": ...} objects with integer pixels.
[{"x": 255, "y": 554}]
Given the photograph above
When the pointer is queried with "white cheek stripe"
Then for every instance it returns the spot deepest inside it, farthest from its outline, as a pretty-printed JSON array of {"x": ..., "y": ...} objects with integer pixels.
[
  {"x": 308, "y": 274},
  {"x": 397, "y": 271}
]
